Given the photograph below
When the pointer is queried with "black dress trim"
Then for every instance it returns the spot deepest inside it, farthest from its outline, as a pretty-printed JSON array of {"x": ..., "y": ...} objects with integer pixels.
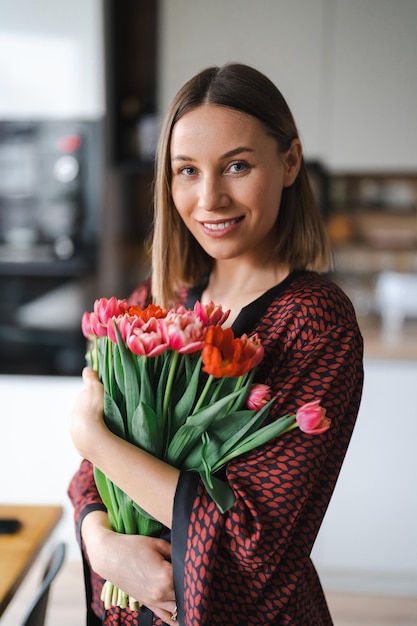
[{"x": 187, "y": 488}]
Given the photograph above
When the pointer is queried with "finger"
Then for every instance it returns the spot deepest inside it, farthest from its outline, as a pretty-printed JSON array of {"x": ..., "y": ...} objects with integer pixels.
[
  {"x": 168, "y": 616},
  {"x": 89, "y": 376},
  {"x": 164, "y": 548}
]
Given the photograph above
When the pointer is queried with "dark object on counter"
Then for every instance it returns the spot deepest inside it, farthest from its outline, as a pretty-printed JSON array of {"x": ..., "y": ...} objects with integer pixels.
[{"x": 9, "y": 526}]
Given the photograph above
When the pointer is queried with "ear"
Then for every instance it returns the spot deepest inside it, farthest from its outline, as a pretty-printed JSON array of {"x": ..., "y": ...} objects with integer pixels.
[{"x": 292, "y": 162}]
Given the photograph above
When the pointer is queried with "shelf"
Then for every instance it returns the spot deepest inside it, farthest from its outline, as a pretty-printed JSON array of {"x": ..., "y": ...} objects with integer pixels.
[
  {"x": 360, "y": 258},
  {"x": 25, "y": 266}
]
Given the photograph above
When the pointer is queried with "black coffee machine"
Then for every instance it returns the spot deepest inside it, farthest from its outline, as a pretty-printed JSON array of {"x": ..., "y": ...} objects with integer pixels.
[{"x": 50, "y": 212}]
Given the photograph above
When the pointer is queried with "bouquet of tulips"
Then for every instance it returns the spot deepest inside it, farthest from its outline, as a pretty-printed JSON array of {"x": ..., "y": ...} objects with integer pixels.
[{"x": 180, "y": 386}]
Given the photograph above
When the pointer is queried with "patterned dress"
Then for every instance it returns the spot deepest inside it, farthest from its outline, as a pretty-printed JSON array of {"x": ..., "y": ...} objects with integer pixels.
[{"x": 251, "y": 566}]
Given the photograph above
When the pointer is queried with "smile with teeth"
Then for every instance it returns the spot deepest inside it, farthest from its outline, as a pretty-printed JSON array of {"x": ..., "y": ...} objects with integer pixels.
[{"x": 221, "y": 225}]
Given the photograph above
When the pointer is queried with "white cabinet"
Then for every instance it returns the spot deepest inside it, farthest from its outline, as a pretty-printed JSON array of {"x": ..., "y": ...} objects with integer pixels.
[{"x": 368, "y": 539}]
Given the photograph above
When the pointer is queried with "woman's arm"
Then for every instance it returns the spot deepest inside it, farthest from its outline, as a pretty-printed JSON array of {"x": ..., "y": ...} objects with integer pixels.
[{"x": 146, "y": 480}]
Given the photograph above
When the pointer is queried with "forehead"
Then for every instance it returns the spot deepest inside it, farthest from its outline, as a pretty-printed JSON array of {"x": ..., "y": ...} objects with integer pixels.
[{"x": 215, "y": 125}]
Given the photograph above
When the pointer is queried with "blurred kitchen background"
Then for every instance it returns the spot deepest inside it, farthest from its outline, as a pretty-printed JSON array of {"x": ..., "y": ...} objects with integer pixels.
[{"x": 83, "y": 86}]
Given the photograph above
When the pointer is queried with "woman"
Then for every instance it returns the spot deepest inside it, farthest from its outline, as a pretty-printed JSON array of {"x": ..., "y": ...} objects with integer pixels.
[{"x": 235, "y": 223}]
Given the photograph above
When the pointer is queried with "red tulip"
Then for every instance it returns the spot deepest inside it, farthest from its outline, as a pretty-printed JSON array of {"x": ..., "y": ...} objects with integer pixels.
[
  {"x": 225, "y": 355},
  {"x": 252, "y": 349}
]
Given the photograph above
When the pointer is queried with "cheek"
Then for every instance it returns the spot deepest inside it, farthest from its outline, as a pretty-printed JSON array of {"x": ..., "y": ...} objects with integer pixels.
[{"x": 181, "y": 198}]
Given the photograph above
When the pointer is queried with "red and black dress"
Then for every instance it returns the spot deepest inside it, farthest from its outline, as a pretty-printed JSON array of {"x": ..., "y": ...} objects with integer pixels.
[{"x": 251, "y": 566}]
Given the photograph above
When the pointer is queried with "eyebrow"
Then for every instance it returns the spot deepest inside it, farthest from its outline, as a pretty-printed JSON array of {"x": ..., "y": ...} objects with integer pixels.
[{"x": 226, "y": 155}]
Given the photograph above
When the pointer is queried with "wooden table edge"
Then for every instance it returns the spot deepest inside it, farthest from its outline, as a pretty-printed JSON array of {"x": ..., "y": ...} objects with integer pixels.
[{"x": 13, "y": 510}]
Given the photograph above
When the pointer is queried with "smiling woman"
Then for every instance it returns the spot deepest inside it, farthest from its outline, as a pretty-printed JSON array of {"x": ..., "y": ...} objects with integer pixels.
[
  {"x": 232, "y": 133},
  {"x": 235, "y": 223}
]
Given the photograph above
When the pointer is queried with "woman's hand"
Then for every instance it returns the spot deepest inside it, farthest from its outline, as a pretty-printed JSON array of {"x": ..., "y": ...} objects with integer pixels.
[
  {"x": 141, "y": 566},
  {"x": 87, "y": 424}
]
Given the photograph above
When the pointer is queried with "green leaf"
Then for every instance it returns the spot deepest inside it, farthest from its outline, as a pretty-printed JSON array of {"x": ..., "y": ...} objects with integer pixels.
[
  {"x": 258, "y": 438},
  {"x": 188, "y": 434},
  {"x": 162, "y": 383},
  {"x": 101, "y": 355},
  {"x": 131, "y": 383},
  {"x": 147, "y": 395},
  {"x": 233, "y": 428},
  {"x": 113, "y": 417},
  {"x": 227, "y": 385},
  {"x": 118, "y": 370},
  {"x": 128, "y": 514},
  {"x": 220, "y": 492},
  {"x": 185, "y": 404},
  {"x": 223, "y": 434},
  {"x": 107, "y": 491},
  {"x": 145, "y": 431}
]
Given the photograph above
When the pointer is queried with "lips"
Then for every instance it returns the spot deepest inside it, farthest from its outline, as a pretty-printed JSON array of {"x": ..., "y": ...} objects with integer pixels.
[{"x": 219, "y": 226}]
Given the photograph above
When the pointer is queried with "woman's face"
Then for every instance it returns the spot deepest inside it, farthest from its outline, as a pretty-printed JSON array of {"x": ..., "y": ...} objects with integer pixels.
[{"x": 227, "y": 181}]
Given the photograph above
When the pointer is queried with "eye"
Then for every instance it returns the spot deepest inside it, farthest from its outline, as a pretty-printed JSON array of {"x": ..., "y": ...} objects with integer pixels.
[
  {"x": 188, "y": 170},
  {"x": 238, "y": 167}
]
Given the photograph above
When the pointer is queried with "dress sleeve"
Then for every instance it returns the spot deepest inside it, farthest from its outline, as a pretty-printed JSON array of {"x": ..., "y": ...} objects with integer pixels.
[
  {"x": 283, "y": 488},
  {"x": 83, "y": 494}
]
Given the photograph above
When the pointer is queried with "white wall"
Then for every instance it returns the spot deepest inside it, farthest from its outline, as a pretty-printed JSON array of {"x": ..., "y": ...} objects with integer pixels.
[
  {"x": 51, "y": 59},
  {"x": 282, "y": 39},
  {"x": 373, "y": 88},
  {"x": 346, "y": 67}
]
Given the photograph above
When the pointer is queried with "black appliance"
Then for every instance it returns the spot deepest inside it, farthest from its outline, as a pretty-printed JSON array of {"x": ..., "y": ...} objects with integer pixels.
[{"x": 50, "y": 199}]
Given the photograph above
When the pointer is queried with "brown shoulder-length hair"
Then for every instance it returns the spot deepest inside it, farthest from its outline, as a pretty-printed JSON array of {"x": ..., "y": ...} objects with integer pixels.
[{"x": 302, "y": 241}]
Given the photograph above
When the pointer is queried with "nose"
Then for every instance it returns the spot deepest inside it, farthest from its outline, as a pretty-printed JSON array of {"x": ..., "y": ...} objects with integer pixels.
[{"x": 213, "y": 193}]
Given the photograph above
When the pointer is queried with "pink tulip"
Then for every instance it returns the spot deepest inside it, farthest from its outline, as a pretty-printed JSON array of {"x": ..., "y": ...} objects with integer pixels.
[
  {"x": 311, "y": 418},
  {"x": 86, "y": 325},
  {"x": 210, "y": 314},
  {"x": 125, "y": 323},
  {"x": 106, "y": 309},
  {"x": 148, "y": 340},
  {"x": 98, "y": 329},
  {"x": 259, "y": 395},
  {"x": 252, "y": 349},
  {"x": 96, "y": 323},
  {"x": 184, "y": 331}
]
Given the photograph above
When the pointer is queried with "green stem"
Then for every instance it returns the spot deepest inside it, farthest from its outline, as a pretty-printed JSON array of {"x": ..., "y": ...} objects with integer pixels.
[
  {"x": 109, "y": 367},
  {"x": 238, "y": 385},
  {"x": 94, "y": 355},
  {"x": 167, "y": 395},
  {"x": 203, "y": 393}
]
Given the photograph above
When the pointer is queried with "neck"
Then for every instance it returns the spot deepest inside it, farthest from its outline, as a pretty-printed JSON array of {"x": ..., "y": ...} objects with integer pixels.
[{"x": 233, "y": 285}]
